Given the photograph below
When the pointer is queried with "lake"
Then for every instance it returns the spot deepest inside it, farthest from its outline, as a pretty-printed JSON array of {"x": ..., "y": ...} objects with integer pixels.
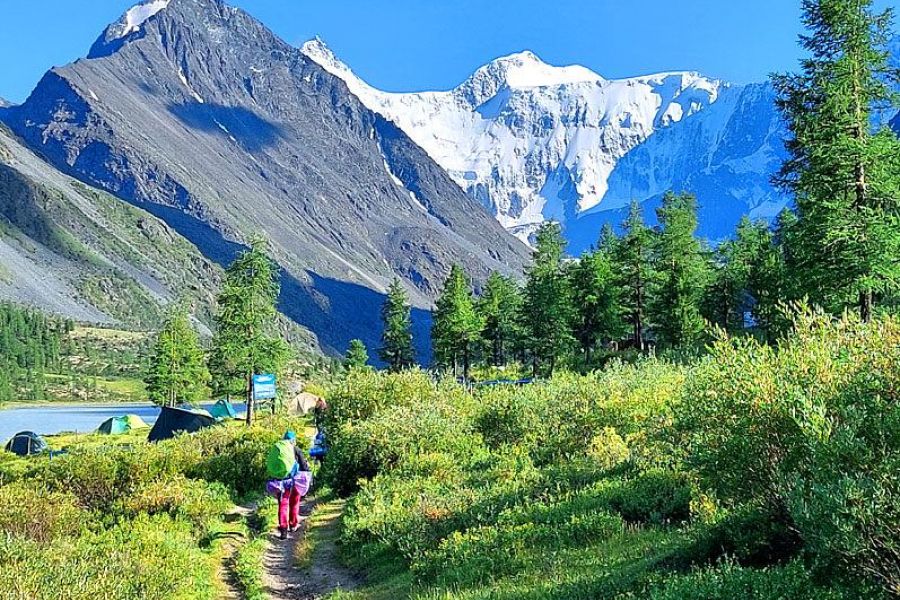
[{"x": 48, "y": 419}]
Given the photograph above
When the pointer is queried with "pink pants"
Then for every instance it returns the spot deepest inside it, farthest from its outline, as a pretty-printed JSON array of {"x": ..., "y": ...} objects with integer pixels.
[{"x": 289, "y": 508}]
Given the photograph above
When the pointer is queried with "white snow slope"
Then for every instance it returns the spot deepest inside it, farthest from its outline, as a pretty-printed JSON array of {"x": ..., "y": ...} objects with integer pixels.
[{"x": 535, "y": 142}]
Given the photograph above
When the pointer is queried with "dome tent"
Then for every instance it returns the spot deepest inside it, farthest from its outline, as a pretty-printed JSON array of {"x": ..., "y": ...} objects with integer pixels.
[
  {"x": 135, "y": 422},
  {"x": 173, "y": 421},
  {"x": 222, "y": 410},
  {"x": 27, "y": 443},
  {"x": 120, "y": 425}
]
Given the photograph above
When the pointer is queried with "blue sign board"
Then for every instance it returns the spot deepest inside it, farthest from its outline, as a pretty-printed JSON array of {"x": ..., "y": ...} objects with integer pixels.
[{"x": 263, "y": 387}]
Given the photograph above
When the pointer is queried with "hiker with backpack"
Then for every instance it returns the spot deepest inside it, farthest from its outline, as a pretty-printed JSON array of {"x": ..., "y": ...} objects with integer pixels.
[{"x": 290, "y": 481}]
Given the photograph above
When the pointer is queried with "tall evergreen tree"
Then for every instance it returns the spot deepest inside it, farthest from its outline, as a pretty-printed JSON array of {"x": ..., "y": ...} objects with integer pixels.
[
  {"x": 845, "y": 177},
  {"x": 598, "y": 311},
  {"x": 633, "y": 258},
  {"x": 456, "y": 325},
  {"x": 499, "y": 306},
  {"x": 396, "y": 340},
  {"x": 246, "y": 341},
  {"x": 177, "y": 371},
  {"x": 681, "y": 274},
  {"x": 547, "y": 307},
  {"x": 357, "y": 356}
]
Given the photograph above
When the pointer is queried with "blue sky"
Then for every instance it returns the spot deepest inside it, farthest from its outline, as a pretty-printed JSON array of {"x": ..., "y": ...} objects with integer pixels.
[{"x": 405, "y": 45}]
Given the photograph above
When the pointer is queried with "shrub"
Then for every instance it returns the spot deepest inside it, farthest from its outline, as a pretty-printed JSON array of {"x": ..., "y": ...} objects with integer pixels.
[
  {"x": 30, "y": 511},
  {"x": 658, "y": 497},
  {"x": 811, "y": 428}
]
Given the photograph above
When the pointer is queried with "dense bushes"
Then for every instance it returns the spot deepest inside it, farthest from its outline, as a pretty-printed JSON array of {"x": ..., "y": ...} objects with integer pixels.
[
  {"x": 781, "y": 462},
  {"x": 811, "y": 429},
  {"x": 108, "y": 521}
]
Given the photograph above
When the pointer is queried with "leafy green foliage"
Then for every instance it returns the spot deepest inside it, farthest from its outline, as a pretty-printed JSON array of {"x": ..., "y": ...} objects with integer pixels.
[
  {"x": 396, "y": 339},
  {"x": 357, "y": 356},
  {"x": 845, "y": 177},
  {"x": 246, "y": 341},
  {"x": 456, "y": 325},
  {"x": 177, "y": 372},
  {"x": 547, "y": 307}
]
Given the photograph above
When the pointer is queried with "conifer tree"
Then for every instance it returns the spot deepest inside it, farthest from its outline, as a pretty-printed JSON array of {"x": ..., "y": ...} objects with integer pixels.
[
  {"x": 499, "y": 306},
  {"x": 456, "y": 325},
  {"x": 246, "y": 341},
  {"x": 681, "y": 274},
  {"x": 547, "y": 307},
  {"x": 598, "y": 309},
  {"x": 633, "y": 257},
  {"x": 845, "y": 177},
  {"x": 357, "y": 356},
  {"x": 177, "y": 371},
  {"x": 396, "y": 340}
]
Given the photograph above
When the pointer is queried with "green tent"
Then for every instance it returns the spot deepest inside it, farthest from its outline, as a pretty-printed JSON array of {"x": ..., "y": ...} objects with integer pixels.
[
  {"x": 120, "y": 425},
  {"x": 135, "y": 422},
  {"x": 222, "y": 410},
  {"x": 114, "y": 426}
]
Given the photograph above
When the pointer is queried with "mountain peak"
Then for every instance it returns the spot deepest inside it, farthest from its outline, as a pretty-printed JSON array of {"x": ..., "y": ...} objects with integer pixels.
[
  {"x": 131, "y": 22},
  {"x": 526, "y": 70}
]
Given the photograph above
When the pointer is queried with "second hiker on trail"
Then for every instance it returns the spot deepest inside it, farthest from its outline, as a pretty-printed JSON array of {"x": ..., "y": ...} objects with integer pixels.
[{"x": 290, "y": 481}]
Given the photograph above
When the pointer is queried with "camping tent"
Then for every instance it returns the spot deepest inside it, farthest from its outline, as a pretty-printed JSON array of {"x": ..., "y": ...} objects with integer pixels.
[
  {"x": 177, "y": 420},
  {"x": 222, "y": 410},
  {"x": 27, "y": 443},
  {"x": 114, "y": 426},
  {"x": 135, "y": 422},
  {"x": 120, "y": 425},
  {"x": 302, "y": 403}
]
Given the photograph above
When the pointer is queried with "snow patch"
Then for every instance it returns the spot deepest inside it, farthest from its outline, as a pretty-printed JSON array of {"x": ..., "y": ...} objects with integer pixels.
[
  {"x": 184, "y": 80},
  {"x": 137, "y": 15}
]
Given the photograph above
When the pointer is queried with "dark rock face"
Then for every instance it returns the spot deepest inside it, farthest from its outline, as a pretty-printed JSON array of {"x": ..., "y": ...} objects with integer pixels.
[{"x": 207, "y": 120}]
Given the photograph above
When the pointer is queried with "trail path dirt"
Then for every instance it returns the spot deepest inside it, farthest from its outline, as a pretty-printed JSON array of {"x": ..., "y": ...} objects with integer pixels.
[{"x": 323, "y": 574}]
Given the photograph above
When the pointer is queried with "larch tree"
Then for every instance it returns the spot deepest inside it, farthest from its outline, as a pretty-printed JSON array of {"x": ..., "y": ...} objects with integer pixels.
[
  {"x": 633, "y": 259},
  {"x": 844, "y": 174},
  {"x": 246, "y": 341},
  {"x": 499, "y": 306},
  {"x": 547, "y": 306},
  {"x": 177, "y": 371},
  {"x": 681, "y": 274},
  {"x": 598, "y": 310},
  {"x": 357, "y": 357},
  {"x": 396, "y": 339},
  {"x": 456, "y": 326}
]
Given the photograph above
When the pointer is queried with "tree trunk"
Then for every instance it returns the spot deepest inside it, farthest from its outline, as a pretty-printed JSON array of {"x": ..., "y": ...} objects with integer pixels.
[
  {"x": 866, "y": 305},
  {"x": 466, "y": 362},
  {"x": 250, "y": 399}
]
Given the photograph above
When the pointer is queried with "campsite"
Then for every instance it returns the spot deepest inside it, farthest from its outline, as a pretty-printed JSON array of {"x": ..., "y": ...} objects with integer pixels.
[{"x": 271, "y": 332}]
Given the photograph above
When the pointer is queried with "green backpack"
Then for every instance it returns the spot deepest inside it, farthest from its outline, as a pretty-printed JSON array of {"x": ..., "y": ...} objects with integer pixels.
[{"x": 280, "y": 460}]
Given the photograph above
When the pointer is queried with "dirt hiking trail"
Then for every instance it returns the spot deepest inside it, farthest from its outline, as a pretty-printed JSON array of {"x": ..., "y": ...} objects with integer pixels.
[{"x": 307, "y": 566}]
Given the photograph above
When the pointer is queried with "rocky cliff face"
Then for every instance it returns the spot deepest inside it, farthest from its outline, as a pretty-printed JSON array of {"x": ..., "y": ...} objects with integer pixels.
[
  {"x": 76, "y": 251},
  {"x": 196, "y": 112}
]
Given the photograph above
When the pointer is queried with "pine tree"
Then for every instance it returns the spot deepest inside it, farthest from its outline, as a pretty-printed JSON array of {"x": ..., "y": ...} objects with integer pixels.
[
  {"x": 499, "y": 306},
  {"x": 845, "y": 178},
  {"x": 681, "y": 274},
  {"x": 547, "y": 307},
  {"x": 396, "y": 340},
  {"x": 456, "y": 326},
  {"x": 177, "y": 371},
  {"x": 246, "y": 342},
  {"x": 598, "y": 311},
  {"x": 633, "y": 258},
  {"x": 357, "y": 356}
]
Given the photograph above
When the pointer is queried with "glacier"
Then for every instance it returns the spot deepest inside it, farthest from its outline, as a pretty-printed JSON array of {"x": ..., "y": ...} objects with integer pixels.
[{"x": 534, "y": 142}]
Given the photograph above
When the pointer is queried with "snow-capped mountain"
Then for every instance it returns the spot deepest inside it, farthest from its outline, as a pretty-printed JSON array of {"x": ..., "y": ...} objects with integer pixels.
[
  {"x": 534, "y": 142},
  {"x": 196, "y": 112}
]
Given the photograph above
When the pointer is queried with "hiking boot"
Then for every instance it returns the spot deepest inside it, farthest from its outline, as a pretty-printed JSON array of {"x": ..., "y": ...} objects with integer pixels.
[
  {"x": 294, "y": 528},
  {"x": 282, "y": 534}
]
